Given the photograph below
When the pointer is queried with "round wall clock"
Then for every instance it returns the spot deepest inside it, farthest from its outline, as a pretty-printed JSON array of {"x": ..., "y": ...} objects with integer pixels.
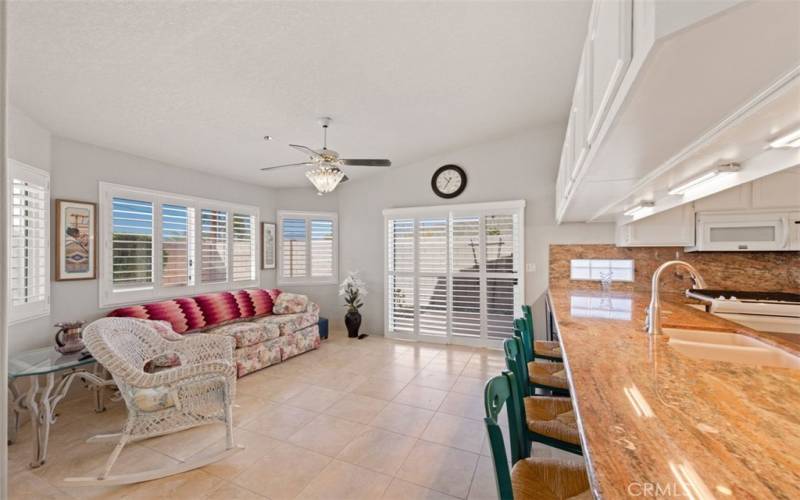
[{"x": 449, "y": 181}]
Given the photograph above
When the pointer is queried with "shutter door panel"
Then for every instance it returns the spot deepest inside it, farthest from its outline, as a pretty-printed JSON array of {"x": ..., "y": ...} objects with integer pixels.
[
  {"x": 321, "y": 248},
  {"x": 401, "y": 304},
  {"x": 132, "y": 242},
  {"x": 293, "y": 248},
  {"x": 244, "y": 247},
  {"x": 29, "y": 243},
  {"x": 214, "y": 246},
  {"x": 177, "y": 245}
]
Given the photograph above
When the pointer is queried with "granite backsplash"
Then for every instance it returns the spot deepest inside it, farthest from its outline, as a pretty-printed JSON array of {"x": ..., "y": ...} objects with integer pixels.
[{"x": 769, "y": 271}]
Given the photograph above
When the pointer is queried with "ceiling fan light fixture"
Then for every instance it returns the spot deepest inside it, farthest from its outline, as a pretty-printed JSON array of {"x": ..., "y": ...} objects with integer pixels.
[{"x": 325, "y": 178}]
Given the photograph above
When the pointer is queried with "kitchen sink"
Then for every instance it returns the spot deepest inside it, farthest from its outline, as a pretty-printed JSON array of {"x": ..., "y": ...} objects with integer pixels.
[{"x": 730, "y": 347}]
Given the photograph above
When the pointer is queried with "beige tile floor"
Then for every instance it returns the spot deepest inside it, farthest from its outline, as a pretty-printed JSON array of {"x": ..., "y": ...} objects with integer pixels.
[{"x": 355, "y": 419}]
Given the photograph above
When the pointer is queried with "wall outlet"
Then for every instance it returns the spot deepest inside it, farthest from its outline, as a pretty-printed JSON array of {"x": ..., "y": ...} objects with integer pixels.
[{"x": 530, "y": 268}]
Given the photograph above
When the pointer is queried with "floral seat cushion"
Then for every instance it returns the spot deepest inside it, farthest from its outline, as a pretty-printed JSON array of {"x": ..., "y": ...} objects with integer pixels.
[
  {"x": 290, "y": 323},
  {"x": 249, "y": 332}
]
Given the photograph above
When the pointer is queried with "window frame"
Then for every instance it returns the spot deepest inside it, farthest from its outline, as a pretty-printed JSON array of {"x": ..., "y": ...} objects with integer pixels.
[
  {"x": 308, "y": 217},
  {"x": 594, "y": 265},
  {"x": 41, "y": 308},
  {"x": 111, "y": 297}
]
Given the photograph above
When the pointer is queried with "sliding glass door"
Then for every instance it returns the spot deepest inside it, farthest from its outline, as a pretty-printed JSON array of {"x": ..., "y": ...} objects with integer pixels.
[{"x": 453, "y": 274}]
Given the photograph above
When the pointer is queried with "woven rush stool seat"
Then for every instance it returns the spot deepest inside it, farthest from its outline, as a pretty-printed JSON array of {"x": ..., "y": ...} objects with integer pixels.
[
  {"x": 552, "y": 417},
  {"x": 550, "y": 374},
  {"x": 549, "y": 479}
]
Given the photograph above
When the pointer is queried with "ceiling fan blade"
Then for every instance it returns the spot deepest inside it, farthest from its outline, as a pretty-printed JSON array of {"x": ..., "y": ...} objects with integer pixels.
[
  {"x": 304, "y": 164},
  {"x": 365, "y": 162},
  {"x": 306, "y": 150}
]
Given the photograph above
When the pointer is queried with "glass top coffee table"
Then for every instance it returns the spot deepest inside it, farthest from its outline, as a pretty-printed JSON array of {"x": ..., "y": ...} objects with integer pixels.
[{"x": 58, "y": 371}]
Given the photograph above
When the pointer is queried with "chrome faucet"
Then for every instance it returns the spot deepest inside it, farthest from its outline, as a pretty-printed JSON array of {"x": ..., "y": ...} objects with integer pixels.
[{"x": 653, "y": 319}]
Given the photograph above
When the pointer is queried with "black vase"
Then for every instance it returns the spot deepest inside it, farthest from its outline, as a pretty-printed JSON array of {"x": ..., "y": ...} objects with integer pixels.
[{"x": 352, "y": 320}]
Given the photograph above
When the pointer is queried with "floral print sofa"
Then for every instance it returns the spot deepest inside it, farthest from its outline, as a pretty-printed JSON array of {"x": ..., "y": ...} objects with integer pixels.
[{"x": 269, "y": 326}]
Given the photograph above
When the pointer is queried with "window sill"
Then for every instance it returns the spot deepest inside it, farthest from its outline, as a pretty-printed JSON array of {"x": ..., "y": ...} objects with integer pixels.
[{"x": 307, "y": 282}]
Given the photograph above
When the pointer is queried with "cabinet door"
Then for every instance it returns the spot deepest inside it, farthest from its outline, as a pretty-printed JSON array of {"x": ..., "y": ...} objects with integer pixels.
[
  {"x": 579, "y": 115},
  {"x": 610, "y": 35},
  {"x": 674, "y": 227}
]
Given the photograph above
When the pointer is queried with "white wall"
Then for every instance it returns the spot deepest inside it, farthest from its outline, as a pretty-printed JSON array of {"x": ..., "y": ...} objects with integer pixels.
[{"x": 521, "y": 166}]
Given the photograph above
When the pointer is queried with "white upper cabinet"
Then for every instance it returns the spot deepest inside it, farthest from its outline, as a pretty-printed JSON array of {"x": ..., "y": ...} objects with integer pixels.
[
  {"x": 666, "y": 90},
  {"x": 610, "y": 52}
]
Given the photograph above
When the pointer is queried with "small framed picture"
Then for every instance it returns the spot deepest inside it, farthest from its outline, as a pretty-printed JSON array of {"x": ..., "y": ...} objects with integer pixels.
[
  {"x": 76, "y": 241},
  {"x": 267, "y": 245}
]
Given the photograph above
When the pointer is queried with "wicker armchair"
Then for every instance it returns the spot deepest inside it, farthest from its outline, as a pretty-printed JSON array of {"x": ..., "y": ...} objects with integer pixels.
[{"x": 199, "y": 391}]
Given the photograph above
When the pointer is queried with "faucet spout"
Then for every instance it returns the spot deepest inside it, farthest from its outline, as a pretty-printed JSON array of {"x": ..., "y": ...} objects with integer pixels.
[{"x": 653, "y": 320}]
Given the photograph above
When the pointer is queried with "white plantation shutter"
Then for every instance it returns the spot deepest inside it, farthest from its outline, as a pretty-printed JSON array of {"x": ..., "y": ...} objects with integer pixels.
[
  {"x": 213, "y": 246},
  {"x": 132, "y": 242},
  {"x": 244, "y": 247},
  {"x": 177, "y": 245},
  {"x": 321, "y": 248},
  {"x": 307, "y": 248},
  {"x": 28, "y": 242},
  {"x": 502, "y": 261},
  {"x": 432, "y": 276},
  {"x": 400, "y": 280},
  {"x": 454, "y": 277},
  {"x": 293, "y": 248},
  {"x": 465, "y": 243}
]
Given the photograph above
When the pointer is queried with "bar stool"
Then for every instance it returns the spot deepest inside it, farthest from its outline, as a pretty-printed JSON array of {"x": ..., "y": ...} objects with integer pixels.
[
  {"x": 540, "y": 349},
  {"x": 537, "y": 478},
  {"x": 548, "y": 376},
  {"x": 548, "y": 420}
]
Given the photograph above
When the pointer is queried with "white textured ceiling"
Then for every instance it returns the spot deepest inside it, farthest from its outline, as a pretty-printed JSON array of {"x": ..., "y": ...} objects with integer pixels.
[{"x": 199, "y": 84}]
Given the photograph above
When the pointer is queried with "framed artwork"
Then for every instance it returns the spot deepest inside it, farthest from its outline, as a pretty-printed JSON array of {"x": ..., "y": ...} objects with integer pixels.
[
  {"x": 267, "y": 245},
  {"x": 76, "y": 240}
]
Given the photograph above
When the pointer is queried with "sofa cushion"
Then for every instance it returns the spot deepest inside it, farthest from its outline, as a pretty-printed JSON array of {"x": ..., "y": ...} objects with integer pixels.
[
  {"x": 290, "y": 303},
  {"x": 290, "y": 323},
  {"x": 248, "y": 333}
]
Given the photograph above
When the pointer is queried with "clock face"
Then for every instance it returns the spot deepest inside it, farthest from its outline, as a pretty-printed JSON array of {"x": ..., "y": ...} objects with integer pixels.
[{"x": 449, "y": 181}]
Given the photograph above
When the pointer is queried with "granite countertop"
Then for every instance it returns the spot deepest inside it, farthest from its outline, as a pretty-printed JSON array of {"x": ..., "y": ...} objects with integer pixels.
[{"x": 655, "y": 421}]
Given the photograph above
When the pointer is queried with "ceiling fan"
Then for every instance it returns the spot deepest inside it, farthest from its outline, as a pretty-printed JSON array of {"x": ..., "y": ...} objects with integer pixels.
[{"x": 327, "y": 173}]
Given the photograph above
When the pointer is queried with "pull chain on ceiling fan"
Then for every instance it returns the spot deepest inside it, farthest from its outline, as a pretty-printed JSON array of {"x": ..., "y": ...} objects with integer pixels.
[{"x": 326, "y": 173}]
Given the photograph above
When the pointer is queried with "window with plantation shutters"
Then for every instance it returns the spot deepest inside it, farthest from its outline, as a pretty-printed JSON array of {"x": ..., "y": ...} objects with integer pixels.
[
  {"x": 244, "y": 247},
  {"x": 132, "y": 242},
  {"x": 161, "y": 245},
  {"x": 307, "y": 247},
  {"x": 453, "y": 273},
  {"x": 213, "y": 246},
  {"x": 28, "y": 242}
]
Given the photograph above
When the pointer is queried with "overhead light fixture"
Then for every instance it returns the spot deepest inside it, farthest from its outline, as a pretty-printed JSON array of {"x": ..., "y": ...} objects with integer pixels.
[
  {"x": 704, "y": 177},
  {"x": 639, "y": 207},
  {"x": 790, "y": 140},
  {"x": 325, "y": 178}
]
